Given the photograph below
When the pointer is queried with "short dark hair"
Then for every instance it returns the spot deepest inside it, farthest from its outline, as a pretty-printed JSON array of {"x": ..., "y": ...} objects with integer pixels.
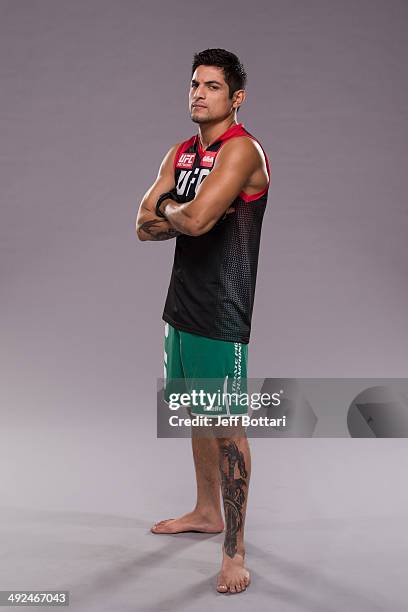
[{"x": 234, "y": 72}]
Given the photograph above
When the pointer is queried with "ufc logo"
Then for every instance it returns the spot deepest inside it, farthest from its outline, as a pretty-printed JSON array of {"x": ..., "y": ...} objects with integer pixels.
[
  {"x": 190, "y": 180},
  {"x": 186, "y": 160}
]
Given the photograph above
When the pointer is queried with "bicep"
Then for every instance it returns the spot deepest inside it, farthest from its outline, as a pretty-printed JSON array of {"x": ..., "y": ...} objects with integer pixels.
[{"x": 221, "y": 187}]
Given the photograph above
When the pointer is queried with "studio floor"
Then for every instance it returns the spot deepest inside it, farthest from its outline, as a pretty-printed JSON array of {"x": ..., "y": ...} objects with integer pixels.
[{"x": 321, "y": 535}]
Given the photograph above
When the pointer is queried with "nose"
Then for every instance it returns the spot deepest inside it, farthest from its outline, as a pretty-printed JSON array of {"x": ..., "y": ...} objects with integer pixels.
[{"x": 198, "y": 93}]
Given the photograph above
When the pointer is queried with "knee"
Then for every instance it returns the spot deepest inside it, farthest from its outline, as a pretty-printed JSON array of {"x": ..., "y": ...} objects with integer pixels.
[{"x": 232, "y": 434}]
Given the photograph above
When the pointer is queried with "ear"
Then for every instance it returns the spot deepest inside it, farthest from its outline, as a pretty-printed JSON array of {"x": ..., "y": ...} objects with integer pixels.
[{"x": 238, "y": 98}]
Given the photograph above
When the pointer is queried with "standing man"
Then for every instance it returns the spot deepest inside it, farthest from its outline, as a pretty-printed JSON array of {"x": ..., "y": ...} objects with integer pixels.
[{"x": 211, "y": 193}]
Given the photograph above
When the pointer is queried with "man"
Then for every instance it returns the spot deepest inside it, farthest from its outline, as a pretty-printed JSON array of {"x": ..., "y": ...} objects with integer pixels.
[{"x": 210, "y": 194}]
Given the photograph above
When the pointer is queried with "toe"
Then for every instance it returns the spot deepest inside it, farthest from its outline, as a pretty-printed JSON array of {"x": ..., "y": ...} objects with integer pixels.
[
  {"x": 158, "y": 526},
  {"x": 164, "y": 521},
  {"x": 232, "y": 588},
  {"x": 221, "y": 584},
  {"x": 155, "y": 526}
]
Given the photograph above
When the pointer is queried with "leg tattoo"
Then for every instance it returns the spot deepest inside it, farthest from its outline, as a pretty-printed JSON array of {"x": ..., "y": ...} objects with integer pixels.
[{"x": 233, "y": 494}]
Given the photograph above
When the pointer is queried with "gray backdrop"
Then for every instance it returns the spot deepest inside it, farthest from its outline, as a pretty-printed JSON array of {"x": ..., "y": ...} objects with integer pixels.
[{"x": 93, "y": 93}]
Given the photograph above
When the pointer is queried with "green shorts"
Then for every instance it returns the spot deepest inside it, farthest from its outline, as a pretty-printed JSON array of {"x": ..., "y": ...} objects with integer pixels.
[{"x": 212, "y": 372}]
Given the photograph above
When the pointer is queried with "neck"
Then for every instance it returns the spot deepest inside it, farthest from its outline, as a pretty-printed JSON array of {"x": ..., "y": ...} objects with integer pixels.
[{"x": 209, "y": 132}]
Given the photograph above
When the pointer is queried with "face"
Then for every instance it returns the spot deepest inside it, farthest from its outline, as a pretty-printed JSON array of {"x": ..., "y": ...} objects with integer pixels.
[{"x": 209, "y": 96}]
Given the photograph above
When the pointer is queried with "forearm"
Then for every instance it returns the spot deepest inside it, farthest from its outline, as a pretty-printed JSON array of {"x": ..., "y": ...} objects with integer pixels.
[
  {"x": 154, "y": 228},
  {"x": 181, "y": 217},
  {"x": 192, "y": 218}
]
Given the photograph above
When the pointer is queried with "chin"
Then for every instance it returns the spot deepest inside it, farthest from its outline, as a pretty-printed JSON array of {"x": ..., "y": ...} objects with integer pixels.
[{"x": 198, "y": 119}]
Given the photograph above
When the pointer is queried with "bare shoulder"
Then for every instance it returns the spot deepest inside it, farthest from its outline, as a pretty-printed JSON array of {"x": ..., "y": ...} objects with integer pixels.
[
  {"x": 168, "y": 160},
  {"x": 244, "y": 155},
  {"x": 171, "y": 153},
  {"x": 244, "y": 149}
]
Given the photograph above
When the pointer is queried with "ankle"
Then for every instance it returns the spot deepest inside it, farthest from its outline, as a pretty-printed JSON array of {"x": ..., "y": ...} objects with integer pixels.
[
  {"x": 208, "y": 512},
  {"x": 240, "y": 551}
]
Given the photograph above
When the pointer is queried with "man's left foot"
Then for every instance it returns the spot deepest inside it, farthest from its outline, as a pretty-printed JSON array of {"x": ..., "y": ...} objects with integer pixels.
[
  {"x": 192, "y": 521},
  {"x": 233, "y": 577}
]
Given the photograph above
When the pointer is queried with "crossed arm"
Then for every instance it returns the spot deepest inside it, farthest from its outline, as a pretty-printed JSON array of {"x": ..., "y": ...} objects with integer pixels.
[
  {"x": 236, "y": 162},
  {"x": 148, "y": 225}
]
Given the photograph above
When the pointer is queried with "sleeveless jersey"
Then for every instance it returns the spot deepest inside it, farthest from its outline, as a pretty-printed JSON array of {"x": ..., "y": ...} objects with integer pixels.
[{"x": 212, "y": 285}]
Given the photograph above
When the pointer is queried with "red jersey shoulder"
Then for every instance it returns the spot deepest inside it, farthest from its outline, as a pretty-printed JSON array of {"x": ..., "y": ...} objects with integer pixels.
[{"x": 186, "y": 156}]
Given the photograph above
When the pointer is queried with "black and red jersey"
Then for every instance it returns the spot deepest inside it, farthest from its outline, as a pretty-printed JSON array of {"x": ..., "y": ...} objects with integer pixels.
[{"x": 212, "y": 285}]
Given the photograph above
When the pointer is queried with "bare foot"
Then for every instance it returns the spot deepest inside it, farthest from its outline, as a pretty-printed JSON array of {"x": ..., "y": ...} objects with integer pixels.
[
  {"x": 233, "y": 577},
  {"x": 192, "y": 521}
]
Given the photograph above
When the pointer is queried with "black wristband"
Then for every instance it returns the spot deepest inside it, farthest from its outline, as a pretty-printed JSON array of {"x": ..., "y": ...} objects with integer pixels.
[{"x": 169, "y": 195}]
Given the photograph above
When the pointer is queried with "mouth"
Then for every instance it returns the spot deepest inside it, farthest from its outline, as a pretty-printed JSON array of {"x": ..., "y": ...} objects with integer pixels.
[{"x": 198, "y": 106}]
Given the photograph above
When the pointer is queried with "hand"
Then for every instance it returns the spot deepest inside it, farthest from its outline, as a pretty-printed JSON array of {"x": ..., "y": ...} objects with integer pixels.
[
  {"x": 164, "y": 204},
  {"x": 229, "y": 210},
  {"x": 165, "y": 198}
]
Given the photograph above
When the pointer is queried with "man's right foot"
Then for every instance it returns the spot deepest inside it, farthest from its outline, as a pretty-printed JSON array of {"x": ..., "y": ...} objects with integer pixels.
[{"x": 193, "y": 521}]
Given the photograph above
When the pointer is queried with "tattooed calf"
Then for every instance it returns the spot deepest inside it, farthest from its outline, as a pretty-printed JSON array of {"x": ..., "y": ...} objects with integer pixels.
[{"x": 233, "y": 494}]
